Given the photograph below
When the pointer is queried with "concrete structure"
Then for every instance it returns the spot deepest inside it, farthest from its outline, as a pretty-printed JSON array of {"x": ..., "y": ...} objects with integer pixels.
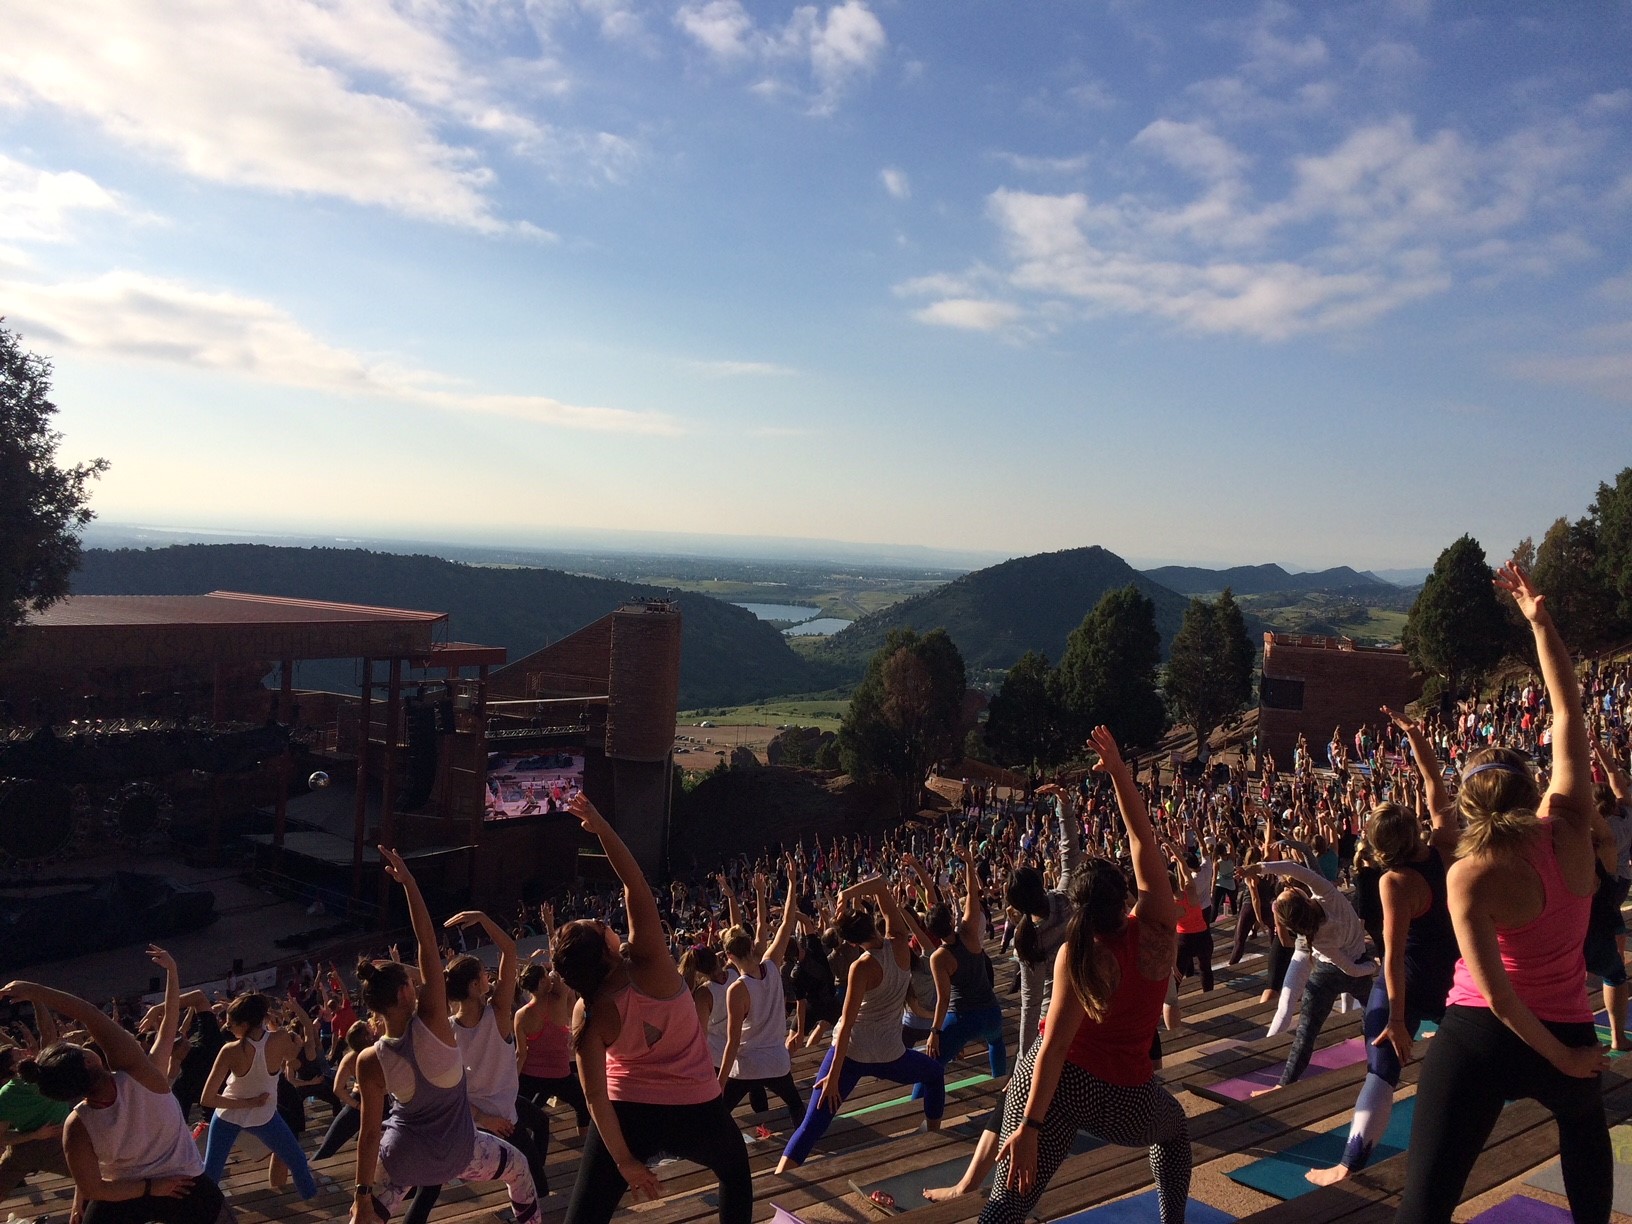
[{"x": 1311, "y": 684}]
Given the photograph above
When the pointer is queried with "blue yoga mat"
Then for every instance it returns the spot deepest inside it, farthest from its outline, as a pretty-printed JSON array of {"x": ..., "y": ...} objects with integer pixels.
[
  {"x": 1282, "y": 1174},
  {"x": 1142, "y": 1209}
]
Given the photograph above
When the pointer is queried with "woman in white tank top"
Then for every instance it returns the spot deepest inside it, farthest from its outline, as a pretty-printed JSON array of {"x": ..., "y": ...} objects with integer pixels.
[
  {"x": 243, "y": 1091},
  {"x": 756, "y": 1026}
]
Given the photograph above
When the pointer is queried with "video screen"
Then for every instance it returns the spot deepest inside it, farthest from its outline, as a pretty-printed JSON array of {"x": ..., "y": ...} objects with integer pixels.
[{"x": 532, "y": 783}]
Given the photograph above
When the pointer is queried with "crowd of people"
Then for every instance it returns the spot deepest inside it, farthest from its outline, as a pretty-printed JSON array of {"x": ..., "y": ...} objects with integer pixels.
[{"x": 1467, "y": 869}]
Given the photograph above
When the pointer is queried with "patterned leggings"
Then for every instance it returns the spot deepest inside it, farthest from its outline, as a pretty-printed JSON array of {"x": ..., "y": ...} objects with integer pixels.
[
  {"x": 492, "y": 1160},
  {"x": 1146, "y": 1116}
]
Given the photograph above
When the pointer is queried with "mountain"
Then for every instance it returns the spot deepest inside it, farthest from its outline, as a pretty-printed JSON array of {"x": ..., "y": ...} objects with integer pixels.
[
  {"x": 1262, "y": 579},
  {"x": 997, "y": 614},
  {"x": 727, "y": 655}
]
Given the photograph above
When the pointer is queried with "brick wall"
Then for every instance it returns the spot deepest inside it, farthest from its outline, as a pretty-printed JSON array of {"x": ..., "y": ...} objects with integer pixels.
[{"x": 1343, "y": 686}]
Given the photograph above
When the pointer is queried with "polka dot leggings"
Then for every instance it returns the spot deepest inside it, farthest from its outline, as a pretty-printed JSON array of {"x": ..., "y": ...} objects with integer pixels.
[{"x": 1146, "y": 1116}]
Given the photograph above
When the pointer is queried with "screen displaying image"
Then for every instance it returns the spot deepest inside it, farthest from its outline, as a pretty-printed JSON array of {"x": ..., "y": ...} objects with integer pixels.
[{"x": 532, "y": 783}]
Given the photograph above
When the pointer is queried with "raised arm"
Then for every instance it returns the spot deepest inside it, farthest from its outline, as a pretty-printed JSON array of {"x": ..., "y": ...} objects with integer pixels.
[
  {"x": 733, "y": 910},
  {"x": 433, "y": 988},
  {"x": 973, "y": 930},
  {"x": 1156, "y": 903},
  {"x": 899, "y": 923},
  {"x": 1619, "y": 782},
  {"x": 120, "y": 1050},
  {"x": 790, "y": 918},
  {"x": 1572, "y": 775},
  {"x": 164, "y": 1040},
  {"x": 1441, "y": 811},
  {"x": 647, "y": 942},
  {"x": 504, "y": 986}
]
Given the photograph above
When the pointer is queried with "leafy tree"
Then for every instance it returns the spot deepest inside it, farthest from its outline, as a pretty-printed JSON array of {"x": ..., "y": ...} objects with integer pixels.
[
  {"x": 42, "y": 505},
  {"x": 1024, "y": 725},
  {"x": 1456, "y": 628},
  {"x": 1579, "y": 598},
  {"x": 1611, "y": 515},
  {"x": 1209, "y": 669},
  {"x": 906, "y": 713},
  {"x": 1108, "y": 672}
]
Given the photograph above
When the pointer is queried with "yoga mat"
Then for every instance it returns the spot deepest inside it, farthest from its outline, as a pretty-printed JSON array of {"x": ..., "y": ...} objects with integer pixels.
[
  {"x": 1083, "y": 1142},
  {"x": 867, "y": 1109},
  {"x": 1142, "y": 1209},
  {"x": 1331, "y": 1058},
  {"x": 908, "y": 1188},
  {"x": 1551, "y": 1177},
  {"x": 1522, "y": 1209},
  {"x": 1282, "y": 1174},
  {"x": 781, "y": 1215}
]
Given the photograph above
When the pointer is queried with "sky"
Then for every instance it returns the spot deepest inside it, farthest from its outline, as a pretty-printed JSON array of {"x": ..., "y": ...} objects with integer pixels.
[{"x": 1206, "y": 283}]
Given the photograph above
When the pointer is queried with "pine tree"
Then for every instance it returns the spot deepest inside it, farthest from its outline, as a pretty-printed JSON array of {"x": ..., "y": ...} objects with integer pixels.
[
  {"x": 1456, "y": 628},
  {"x": 1108, "y": 672}
]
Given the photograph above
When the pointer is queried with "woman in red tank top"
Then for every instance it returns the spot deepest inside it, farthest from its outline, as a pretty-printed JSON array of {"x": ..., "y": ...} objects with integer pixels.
[
  {"x": 1518, "y": 1023},
  {"x": 1092, "y": 1069}
]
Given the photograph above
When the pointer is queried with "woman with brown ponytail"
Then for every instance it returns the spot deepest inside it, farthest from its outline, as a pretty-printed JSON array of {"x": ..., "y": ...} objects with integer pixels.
[
  {"x": 1092, "y": 1070},
  {"x": 1518, "y": 1022},
  {"x": 1044, "y": 915}
]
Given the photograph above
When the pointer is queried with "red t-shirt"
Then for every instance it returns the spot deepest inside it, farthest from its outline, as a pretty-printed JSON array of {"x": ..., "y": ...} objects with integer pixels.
[{"x": 1117, "y": 1048}]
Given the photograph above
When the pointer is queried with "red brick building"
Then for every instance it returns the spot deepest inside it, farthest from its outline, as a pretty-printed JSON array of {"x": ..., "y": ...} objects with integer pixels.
[{"x": 1312, "y": 684}]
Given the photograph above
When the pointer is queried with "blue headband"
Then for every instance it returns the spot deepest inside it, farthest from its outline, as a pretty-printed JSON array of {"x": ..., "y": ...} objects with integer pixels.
[{"x": 1503, "y": 765}]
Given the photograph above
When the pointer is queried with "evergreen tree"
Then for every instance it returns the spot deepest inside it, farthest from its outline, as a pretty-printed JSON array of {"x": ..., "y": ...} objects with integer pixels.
[
  {"x": 42, "y": 506},
  {"x": 1611, "y": 515},
  {"x": 1023, "y": 725},
  {"x": 1209, "y": 669},
  {"x": 906, "y": 713},
  {"x": 1456, "y": 628},
  {"x": 1567, "y": 573},
  {"x": 1108, "y": 672}
]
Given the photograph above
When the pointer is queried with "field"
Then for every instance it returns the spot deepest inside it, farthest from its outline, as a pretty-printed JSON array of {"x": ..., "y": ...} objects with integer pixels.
[
  {"x": 1332, "y": 615},
  {"x": 823, "y": 714}
]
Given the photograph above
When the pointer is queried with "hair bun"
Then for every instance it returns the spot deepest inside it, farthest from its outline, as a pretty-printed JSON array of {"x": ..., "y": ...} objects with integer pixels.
[{"x": 29, "y": 1071}]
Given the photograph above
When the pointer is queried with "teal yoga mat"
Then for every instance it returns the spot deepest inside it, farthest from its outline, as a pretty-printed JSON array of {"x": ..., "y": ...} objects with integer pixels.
[
  {"x": 1282, "y": 1174},
  {"x": 1142, "y": 1209}
]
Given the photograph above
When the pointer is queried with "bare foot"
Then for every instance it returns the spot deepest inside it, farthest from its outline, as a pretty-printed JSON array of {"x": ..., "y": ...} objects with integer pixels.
[
  {"x": 945, "y": 1194},
  {"x": 1327, "y": 1177}
]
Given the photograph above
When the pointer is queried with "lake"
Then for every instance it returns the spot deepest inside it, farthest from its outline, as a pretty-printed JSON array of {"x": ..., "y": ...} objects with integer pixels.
[
  {"x": 781, "y": 612},
  {"x": 820, "y": 627}
]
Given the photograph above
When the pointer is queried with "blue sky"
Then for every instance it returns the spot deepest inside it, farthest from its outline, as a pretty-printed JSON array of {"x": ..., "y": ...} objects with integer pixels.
[{"x": 1214, "y": 282}]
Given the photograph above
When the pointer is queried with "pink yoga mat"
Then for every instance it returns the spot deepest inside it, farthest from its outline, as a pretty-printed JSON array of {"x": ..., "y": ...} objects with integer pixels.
[{"x": 1343, "y": 1054}]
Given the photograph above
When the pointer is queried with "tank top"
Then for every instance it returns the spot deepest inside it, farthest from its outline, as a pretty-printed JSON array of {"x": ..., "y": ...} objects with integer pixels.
[
  {"x": 1430, "y": 942},
  {"x": 923, "y": 989},
  {"x": 971, "y": 984},
  {"x": 491, "y": 1077},
  {"x": 549, "y": 1052},
  {"x": 142, "y": 1134},
  {"x": 429, "y": 1136},
  {"x": 660, "y": 1056},
  {"x": 1117, "y": 1048},
  {"x": 763, "y": 1053},
  {"x": 1191, "y": 920},
  {"x": 717, "y": 1017},
  {"x": 1544, "y": 958},
  {"x": 876, "y": 1037},
  {"x": 258, "y": 1079}
]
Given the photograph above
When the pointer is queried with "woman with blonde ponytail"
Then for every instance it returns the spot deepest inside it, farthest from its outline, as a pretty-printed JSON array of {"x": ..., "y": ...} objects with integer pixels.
[
  {"x": 1518, "y": 1023},
  {"x": 1092, "y": 1070}
]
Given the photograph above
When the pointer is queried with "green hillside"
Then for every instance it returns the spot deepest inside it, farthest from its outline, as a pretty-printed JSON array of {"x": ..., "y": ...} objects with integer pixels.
[
  {"x": 727, "y": 656},
  {"x": 997, "y": 614}
]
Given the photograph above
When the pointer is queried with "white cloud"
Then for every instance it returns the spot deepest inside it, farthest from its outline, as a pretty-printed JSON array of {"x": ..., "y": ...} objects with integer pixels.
[
  {"x": 837, "y": 47},
  {"x": 969, "y": 314},
  {"x": 1025, "y": 164},
  {"x": 358, "y": 100},
  {"x": 133, "y": 316},
  {"x": 895, "y": 182},
  {"x": 739, "y": 369},
  {"x": 39, "y": 205}
]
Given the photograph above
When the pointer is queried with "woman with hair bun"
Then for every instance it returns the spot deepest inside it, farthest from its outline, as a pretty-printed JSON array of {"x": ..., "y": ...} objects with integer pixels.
[
  {"x": 1092, "y": 1070},
  {"x": 242, "y": 1089},
  {"x": 1044, "y": 915},
  {"x": 756, "y": 1026},
  {"x": 642, "y": 1058},
  {"x": 128, "y": 1147},
  {"x": 1518, "y": 1023},
  {"x": 430, "y": 1136},
  {"x": 1420, "y": 952}
]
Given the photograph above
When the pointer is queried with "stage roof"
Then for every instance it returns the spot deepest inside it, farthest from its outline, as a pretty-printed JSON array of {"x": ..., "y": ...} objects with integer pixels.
[{"x": 222, "y": 627}]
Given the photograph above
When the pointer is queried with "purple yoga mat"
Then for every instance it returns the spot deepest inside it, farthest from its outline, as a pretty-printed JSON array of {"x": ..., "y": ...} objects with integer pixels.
[
  {"x": 1343, "y": 1054},
  {"x": 1522, "y": 1209}
]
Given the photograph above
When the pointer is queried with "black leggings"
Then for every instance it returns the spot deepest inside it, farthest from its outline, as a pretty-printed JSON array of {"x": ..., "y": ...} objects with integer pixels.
[
  {"x": 1246, "y": 926},
  {"x": 341, "y": 1131},
  {"x": 539, "y": 1089},
  {"x": 703, "y": 1134},
  {"x": 1193, "y": 948},
  {"x": 782, "y": 1085},
  {"x": 1280, "y": 959},
  {"x": 200, "y": 1205},
  {"x": 530, "y": 1137},
  {"x": 1475, "y": 1064}
]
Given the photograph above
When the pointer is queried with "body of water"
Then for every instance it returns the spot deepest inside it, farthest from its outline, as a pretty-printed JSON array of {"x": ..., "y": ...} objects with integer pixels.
[
  {"x": 781, "y": 612},
  {"x": 822, "y": 626}
]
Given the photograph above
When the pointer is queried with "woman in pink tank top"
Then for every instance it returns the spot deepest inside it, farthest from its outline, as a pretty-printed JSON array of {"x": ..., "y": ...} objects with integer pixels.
[
  {"x": 642, "y": 1056},
  {"x": 1518, "y": 1023}
]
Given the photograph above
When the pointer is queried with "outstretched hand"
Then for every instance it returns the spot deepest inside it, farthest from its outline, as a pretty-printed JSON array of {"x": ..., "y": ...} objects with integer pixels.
[
  {"x": 1515, "y": 582},
  {"x": 394, "y": 865},
  {"x": 588, "y": 814},
  {"x": 1400, "y": 720},
  {"x": 161, "y": 958},
  {"x": 1110, "y": 755}
]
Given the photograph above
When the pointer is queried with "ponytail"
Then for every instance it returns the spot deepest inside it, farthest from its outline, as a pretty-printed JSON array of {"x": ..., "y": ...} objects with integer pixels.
[
  {"x": 1498, "y": 800},
  {"x": 1099, "y": 896}
]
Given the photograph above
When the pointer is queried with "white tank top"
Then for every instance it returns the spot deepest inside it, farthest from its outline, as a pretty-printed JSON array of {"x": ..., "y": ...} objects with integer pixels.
[
  {"x": 877, "y": 1035},
  {"x": 443, "y": 1065},
  {"x": 258, "y": 1079},
  {"x": 763, "y": 1053},
  {"x": 492, "y": 1078},
  {"x": 142, "y": 1134},
  {"x": 716, "y": 1021}
]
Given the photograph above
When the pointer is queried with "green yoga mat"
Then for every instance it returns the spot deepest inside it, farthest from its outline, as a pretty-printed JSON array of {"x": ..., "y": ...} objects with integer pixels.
[
  {"x": 867, "y": 1109},
  {"x": 1282, "y": 1174}
]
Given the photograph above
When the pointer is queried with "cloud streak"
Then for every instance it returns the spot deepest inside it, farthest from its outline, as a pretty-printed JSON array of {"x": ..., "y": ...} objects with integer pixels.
[
  {"x": 835, "y": 48},
  {"x": 133, "y": 316}
]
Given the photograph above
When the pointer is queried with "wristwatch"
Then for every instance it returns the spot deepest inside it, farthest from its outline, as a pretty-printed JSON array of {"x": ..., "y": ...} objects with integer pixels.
[
  {"x": 1033, "y": 1123},
  {"x": 359, "y": 1190}
]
